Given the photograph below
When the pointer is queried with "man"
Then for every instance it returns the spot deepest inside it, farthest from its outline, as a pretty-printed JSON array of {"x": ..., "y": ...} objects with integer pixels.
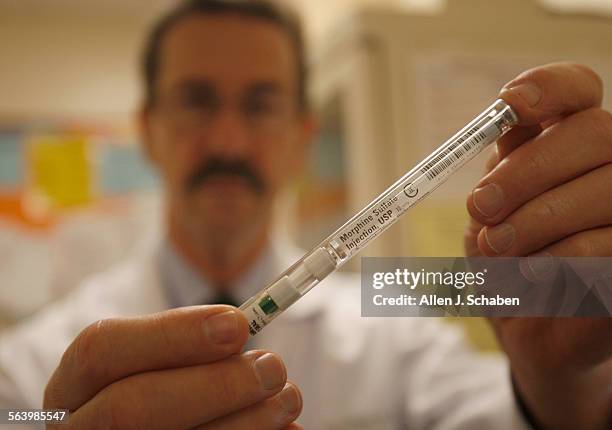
[{"x": 227, "y": 125}]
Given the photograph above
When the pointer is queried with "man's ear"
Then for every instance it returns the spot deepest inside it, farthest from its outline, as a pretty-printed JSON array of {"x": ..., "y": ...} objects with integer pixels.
[{"x": 146, "y": 136}]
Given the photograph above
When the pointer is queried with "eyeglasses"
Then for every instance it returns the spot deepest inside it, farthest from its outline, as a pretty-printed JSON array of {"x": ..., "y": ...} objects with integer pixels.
[{"x": 262, "y": 110}]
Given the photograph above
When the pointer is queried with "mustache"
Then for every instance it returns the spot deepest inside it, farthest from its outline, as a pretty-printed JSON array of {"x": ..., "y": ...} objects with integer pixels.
[{"x": 217, "y": 167}]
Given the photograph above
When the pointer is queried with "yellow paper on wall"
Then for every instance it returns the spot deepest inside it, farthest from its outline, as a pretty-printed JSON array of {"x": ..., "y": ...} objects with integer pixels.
[{"x": 60, "y": 169}]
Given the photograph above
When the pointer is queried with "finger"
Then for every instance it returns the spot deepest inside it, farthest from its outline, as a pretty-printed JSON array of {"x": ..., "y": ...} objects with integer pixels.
[
  {"x": 515, "y": 138},
  {"x": 110, "y": 350},
  {"x": 201, "y": 394},
  {"x": 274, "y": 413},
  {"x": 470, "y": 243},
  {"x": 550, "y": 159},
  {"x": 590, "y": 243},
  {"x": 492, "y": 160},
  {"x": 552, "y": 216},
  {"x": 470, "y": 238},
  {"x": 470, "y": 235},
  {"x": 555, "y": 90}
]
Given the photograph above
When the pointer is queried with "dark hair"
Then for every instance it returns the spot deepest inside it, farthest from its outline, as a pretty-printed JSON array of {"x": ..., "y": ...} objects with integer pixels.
[{"x": 265, "y": 10}]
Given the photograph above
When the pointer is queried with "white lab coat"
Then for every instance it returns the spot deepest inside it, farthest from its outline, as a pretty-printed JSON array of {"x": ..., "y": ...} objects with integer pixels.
[{"x": 353, "y": 372}]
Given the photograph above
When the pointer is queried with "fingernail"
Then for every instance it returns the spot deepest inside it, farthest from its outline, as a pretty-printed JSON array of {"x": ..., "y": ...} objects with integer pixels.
[
  {"x": 269, "y": 371},
  {"x": 539, "y": 268},
  {"x": 530, "y": 92},
  {"x": 500, "y": 238},
  {"x": 488, "y": 200},
  {"x": 222, "y": 328},
  {"x": 289, "y": 399}
]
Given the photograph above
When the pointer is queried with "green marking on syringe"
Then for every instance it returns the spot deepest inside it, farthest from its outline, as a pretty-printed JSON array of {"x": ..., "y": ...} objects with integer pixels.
[{"x": 267, "y": 305}]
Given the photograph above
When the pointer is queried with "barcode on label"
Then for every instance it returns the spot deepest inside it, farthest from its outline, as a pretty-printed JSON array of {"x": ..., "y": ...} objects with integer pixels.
[{"x": 443, "y": 160}]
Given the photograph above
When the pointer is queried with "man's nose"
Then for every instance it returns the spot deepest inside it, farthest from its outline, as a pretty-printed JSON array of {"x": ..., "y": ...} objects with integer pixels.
[{"x": 229, "y": 135}]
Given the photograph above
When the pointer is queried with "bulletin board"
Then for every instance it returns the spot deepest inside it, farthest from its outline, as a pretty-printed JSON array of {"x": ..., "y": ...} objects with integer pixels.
[{"x": 74, "y": 197}]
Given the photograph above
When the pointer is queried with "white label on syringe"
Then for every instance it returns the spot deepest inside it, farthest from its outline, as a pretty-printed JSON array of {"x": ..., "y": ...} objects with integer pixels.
[
  {"x": 256, "y": 318},
  {"x": 417, "y": 185}
]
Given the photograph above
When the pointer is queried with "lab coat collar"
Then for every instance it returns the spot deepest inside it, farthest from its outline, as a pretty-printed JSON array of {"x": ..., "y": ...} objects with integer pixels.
[{"x": 183, "y": 286}]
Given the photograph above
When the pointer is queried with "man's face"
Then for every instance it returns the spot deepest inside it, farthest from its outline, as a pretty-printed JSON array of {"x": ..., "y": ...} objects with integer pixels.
[{"x": 225, "y": 131}]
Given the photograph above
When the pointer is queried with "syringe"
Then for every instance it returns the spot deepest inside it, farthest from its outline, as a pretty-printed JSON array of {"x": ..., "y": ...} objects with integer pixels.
[{"x": 377, "y": 216}]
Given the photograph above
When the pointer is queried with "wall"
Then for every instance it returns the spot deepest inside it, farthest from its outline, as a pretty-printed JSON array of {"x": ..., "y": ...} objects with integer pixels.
[
  {"x": 67, "y": 65},
  {"x": 68, "y": 57}
]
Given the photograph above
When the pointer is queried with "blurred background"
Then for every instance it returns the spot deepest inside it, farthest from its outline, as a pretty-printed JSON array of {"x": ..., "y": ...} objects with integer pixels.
[{"x": 391, "y": 80}]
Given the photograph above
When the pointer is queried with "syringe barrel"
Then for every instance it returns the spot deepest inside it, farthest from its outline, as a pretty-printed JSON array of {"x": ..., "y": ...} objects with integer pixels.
[
  {"x": 419, "y": 182},
  {"x": 379, "y": 215}
]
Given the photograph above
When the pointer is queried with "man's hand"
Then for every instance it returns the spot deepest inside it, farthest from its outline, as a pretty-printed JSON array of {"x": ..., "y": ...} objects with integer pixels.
[
  {"x": 549, "y": 190},
  {"x": 180, "y": 369}
]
